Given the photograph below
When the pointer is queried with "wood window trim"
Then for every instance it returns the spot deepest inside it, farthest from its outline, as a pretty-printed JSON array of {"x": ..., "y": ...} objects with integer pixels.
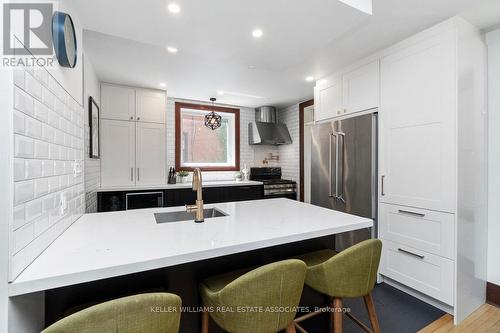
[
  {"x": 208, "y": 108},
  {"x": 302, "y": 106}
]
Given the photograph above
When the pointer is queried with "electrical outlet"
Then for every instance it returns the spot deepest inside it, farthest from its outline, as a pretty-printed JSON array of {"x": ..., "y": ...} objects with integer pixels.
[
  {"x": 77, "y": 168},
  {"x": 63, "y": 204}
]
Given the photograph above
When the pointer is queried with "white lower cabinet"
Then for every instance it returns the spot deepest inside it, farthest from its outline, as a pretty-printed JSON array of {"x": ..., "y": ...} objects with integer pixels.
[
  {"x": 420, "y": 270},
  {"x": 117, "y": 152},
  {"x": 426, "y": 230}
]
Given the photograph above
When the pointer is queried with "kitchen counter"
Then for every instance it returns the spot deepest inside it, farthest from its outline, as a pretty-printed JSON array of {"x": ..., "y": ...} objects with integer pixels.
[
  {"x": 104, "y": 245},
  {"x": 222, "y": 183}
]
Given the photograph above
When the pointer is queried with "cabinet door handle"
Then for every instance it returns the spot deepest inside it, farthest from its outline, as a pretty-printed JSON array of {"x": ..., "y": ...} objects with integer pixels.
[
  {"x": 131, "y": 118},
  {"x": 382, "y": 192},
  {"x": 411, "y": 253},
  {"x": 410, "y": 213},
  {"x": 131, "y": 174},
  {"x": 138, "y": 175},
  {"x": 138, "y": 118}
]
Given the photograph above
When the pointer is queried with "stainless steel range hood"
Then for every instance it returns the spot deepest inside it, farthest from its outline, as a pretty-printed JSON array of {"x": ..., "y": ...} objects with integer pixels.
[{"x": 266, "y": 130}]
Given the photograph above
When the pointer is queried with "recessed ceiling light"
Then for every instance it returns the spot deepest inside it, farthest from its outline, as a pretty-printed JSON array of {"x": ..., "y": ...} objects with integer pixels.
[
  {"x": 163, "y": 84},
  {"x": 172, "y": 49},
  {"x": 257, "y": 33},
  {"x": 310, "y": 78},
  {"x": 220, "y": 92},
  {"x": 174, "y": 8}
]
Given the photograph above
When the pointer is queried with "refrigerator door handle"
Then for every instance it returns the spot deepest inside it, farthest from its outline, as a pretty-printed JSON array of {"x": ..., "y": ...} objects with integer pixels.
[
  {"x": 340, "y": 196},
  {"x": 333, "y": 135}
]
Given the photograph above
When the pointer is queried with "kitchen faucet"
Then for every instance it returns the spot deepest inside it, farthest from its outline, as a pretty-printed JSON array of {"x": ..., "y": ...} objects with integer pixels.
[{"x": 198, "y": 206}]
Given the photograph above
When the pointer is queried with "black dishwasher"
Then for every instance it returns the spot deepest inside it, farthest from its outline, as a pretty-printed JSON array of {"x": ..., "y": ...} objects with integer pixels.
[{"x": 137, "y": 200}]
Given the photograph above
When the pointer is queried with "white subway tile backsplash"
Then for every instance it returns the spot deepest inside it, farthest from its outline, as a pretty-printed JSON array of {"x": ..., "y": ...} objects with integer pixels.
[
  {"x": 24, "y": 191},
  {"x": 41, "y": 112},
  {"x": 23, "y": 146},
  {"x": 19, "y": 169},
  {"x": 41, "y": 187},
  {"x": 59, "y": 137},
  {"x": 53, "y": 119},
  {"x": 33, "y": 169},
  {"x": 23, "y": 236},
  {"x": 48, "y": 98},
  {"x": 41, "y": 149},
  {"x": 33, "y": 127},
  {"x": 33, "y": 209},
  {"x": 58, "y": 167},
  {"x": 23, "y": 102},
  {"x": 19, "y": 124},
  {"x": 54, "y": 184},
  {"x": 19, "y": 78},
  {"x": 48, "y": 133},
  {"x": 41, "y": 225},
  {"x": 32, "y": 86},
  {"x": 47, "y": 168},
  {"x": 41, "y": 75},
  {"x": 19, "y": 219},
  {"x": 54, "y": 152}
]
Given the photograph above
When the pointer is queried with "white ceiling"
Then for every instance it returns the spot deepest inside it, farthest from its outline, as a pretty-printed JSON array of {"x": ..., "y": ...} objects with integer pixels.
[{"x": 125, "y": 40}]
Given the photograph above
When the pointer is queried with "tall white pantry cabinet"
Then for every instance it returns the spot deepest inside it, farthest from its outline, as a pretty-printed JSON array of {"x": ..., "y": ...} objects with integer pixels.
[
  {"x": 133, "y": 139},
  {"x": 433, "y": 165}
]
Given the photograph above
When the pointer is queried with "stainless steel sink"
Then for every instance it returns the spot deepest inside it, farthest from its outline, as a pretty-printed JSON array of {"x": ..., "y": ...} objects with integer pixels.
[{"x": 187, "y": 216}]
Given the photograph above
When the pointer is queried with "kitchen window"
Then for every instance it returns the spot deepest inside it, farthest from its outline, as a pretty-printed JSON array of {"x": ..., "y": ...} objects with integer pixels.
[{"x": 197, "y": 146}]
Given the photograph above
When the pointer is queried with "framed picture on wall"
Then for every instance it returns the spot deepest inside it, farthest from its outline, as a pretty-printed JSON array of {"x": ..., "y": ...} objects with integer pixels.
[{"x": 94, "y": 128}]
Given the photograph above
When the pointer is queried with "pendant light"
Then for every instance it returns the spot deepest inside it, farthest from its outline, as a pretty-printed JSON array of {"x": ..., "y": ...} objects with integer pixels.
[{"x": 213, "y": 120}]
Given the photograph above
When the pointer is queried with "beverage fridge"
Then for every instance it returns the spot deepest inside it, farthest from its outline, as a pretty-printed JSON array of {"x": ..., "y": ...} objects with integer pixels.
[{"x": 344, "y": 171}]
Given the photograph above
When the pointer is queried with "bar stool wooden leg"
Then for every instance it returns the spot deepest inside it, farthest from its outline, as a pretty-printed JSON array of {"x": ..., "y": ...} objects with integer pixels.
[
  {"x": 336, "y": 315},
  {"x": 370, "y": 307},
  {"x": 205, "y": 318},
  {"x": 291, "y": 328}
]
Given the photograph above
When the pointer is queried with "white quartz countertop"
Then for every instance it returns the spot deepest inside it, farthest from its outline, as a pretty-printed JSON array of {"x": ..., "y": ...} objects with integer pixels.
[
  {"x": 105, "y": 245},
  {"x": 220, "y": 183}
]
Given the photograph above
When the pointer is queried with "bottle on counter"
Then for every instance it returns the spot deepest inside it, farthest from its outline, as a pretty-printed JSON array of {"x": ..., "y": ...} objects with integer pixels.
[
  {"x": 244, "y": 173},
  {"x": 172, "y": 177}
]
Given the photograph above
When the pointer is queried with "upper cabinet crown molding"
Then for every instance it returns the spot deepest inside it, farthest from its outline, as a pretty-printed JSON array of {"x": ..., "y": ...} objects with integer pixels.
[{"x": 133, "y": 104}]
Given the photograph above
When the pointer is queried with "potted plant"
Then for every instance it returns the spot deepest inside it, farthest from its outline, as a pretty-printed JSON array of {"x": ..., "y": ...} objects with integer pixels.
[{"x": 183, "y": 176}]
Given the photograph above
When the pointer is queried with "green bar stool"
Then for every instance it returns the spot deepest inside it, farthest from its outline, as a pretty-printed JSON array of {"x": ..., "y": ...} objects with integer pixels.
[
  {"x": 263, "y": 300},
  {"x": 152, "y": 313},
  {"x": 350, "y": 273}
]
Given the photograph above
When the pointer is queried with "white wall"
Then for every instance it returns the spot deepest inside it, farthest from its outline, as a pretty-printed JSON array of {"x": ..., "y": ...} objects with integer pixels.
[
  {"x": 92, "y": 165},
  {"x": 493, "y": 41}
]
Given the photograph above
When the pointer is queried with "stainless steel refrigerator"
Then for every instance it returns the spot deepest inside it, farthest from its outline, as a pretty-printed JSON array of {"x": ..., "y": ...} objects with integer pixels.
[{"x": 344, "y": 169}]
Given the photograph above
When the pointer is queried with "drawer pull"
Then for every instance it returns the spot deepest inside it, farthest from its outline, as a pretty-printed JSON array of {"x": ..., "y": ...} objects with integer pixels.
[
  {"x": 411, "y": 253},
  {"x": 411, "y": 213}
]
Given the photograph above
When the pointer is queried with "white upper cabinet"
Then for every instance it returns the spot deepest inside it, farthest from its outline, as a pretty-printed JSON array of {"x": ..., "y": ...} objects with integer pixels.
[
  {"x": 150, "y": 154},
  {"x": 133, "y": 104},
  {"x": 327, "y": 99},
  {"x": 118, "y": 152},
  {"x": 348, "y": 92},
  {"x": 117, "y": 102},
  {"x": 361, "y": 88},
  {"x": 151, "y": 106},
  {"x": 418, "y": 122}
]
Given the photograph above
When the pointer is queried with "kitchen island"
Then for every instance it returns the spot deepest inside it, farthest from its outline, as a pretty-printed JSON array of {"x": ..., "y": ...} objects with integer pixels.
[{"x": 109, "y": 245}]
